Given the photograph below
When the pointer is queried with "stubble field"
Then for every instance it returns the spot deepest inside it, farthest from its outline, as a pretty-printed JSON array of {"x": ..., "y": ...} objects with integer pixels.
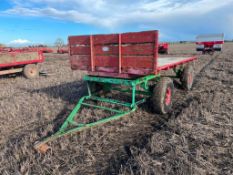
[{"x": 195, "y": 138}]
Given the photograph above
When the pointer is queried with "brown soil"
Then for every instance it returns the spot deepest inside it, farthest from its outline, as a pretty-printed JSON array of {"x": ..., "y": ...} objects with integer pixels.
[{"x": 196, "y": 138}]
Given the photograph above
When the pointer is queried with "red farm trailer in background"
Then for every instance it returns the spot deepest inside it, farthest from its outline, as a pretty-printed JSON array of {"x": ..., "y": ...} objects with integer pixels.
[
  {"x": 62, "y": 50},
  {"x": 43, "y": 49},
  {"x": 6, "y": 49},
  {"x": 121, "y": 64},
  {"x": 163, "y": 48},
  {"x": 209, "y": 43},
  {"x": 15, "y": 61}
]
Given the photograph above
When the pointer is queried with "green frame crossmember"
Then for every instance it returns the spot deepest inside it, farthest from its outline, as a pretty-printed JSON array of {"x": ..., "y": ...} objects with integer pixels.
[{"x": 107, "y": 84}]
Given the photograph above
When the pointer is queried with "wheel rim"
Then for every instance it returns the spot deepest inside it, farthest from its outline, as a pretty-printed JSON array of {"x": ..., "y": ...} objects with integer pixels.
[
  {"x": 32, "y": 71},
  {"x": 168, "y": 96},
  {"x": 190, "y": 79}
]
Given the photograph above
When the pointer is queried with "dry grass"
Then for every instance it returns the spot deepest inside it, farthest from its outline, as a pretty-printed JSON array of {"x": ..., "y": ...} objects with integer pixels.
[{"x": 196, "y": 138}]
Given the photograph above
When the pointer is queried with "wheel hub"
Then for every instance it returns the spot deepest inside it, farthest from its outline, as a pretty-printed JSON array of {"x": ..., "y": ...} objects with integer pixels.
[
  {"x": 168, "y": 96},
  {"x": 190, "y": 79}
]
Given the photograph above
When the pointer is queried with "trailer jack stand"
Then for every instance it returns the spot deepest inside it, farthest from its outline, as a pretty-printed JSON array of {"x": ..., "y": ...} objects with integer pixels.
[{"x": 71, "y": 126}]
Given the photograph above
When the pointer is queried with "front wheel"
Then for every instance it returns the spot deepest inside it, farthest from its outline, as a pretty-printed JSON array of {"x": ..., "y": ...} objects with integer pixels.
[{"x": 162, "y": 96}]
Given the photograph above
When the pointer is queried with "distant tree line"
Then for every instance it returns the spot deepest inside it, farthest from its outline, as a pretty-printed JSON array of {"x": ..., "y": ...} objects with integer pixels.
[
  {"x": 59, "y": 43},
  {"x": 39, "y": 45},
  {"x": 227, "y": 41}
]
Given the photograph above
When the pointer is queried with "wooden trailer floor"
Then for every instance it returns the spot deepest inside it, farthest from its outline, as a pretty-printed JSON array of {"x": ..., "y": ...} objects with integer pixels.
[
  {"x": 164, "y": 63},
  {"x": 168, "y": 62}
]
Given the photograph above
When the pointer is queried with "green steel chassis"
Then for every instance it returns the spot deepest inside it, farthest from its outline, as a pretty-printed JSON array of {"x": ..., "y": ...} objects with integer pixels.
[{"x": 70, "y": 126}]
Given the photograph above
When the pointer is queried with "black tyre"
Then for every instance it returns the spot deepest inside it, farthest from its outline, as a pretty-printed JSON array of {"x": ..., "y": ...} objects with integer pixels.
[
  {"x": 162, "y": 96},
  {"x": 187, "y": 77},
  {"x": 30, "y": 71}
]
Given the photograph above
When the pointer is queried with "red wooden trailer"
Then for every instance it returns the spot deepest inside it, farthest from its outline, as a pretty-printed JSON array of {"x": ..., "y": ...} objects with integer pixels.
[
  {"x": 120, "y": 55},
  {"x": 15, "y": 61},
  {"x": 122, "y": 64}
]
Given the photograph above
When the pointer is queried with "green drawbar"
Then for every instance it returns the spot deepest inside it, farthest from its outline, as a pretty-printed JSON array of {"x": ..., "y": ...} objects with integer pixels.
[{"x": 110, "y": 85}]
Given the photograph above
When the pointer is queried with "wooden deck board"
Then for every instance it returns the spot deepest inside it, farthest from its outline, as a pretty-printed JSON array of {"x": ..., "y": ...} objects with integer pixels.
[{"x": 165, "y": 61}]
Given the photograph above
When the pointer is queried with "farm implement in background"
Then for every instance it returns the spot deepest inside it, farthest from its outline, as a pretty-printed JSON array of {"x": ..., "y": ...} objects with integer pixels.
[
  {"x": 43, "y": 49},
  {"x": 15, "y": 61},
  {"x": 209, "y": 43},
  {"x": 163, "y": 48},
  {"x": 40, "y": 48},
  {"x": 62, "y": 50},
  {"x": 121, "y": 65}
]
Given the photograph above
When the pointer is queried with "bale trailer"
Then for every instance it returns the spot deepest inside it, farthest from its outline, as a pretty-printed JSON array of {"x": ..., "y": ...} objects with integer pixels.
[
  {"x": 15, "y": 61},
  {"x": 209, "y": 43},
  {"x": 121, "y": 65}
]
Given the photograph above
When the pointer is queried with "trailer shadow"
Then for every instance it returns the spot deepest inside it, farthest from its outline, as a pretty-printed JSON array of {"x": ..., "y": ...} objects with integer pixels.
[
  {"x": 121, "y": 158},
  {"x": 11, "y": 76},
  {"x": 68, "y": 92},
  {"x": 73, "y": 91},
  {"x": 177, "y": 84}
]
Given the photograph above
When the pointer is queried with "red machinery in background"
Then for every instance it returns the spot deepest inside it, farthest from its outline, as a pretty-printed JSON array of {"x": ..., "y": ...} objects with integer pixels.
[
  {"x": 18, "y": 60},
  {"x": 163, "y": 48},
  {"x": 43, "y": 49},
  {"x": 62, "y": 50},
  {"x": 209, "y": 43}
]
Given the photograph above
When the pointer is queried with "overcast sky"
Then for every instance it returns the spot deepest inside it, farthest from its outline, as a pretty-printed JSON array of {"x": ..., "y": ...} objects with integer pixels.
[{"x": 42, "y": 21}]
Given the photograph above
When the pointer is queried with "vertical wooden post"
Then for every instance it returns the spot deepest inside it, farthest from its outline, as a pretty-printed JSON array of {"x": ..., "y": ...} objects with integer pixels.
[
  {"x": 69, "y": 46},
  {"x": 156, "y": 51},
  {"x": 120, "y": 53},
  {"x": 92, "y": 54}
]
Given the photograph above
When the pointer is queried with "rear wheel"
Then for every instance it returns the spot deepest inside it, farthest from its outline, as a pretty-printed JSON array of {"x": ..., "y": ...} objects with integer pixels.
[
  {"x": 187, "y": 77},
  {"x": 31, "y": 71},
  {"x": 162, "y": 96}
]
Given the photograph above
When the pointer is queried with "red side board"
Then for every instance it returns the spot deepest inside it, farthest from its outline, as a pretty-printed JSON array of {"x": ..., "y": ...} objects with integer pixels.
[
  {"x": 118, "y": 55},
  {"x": 38, "y": 59},
  {"x": 209, "y": 43}
]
